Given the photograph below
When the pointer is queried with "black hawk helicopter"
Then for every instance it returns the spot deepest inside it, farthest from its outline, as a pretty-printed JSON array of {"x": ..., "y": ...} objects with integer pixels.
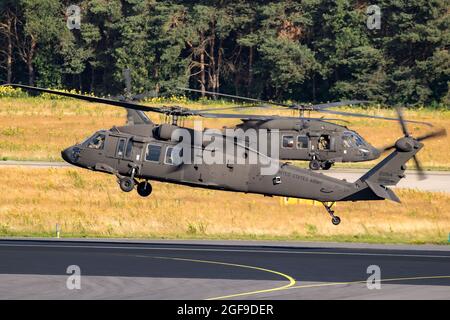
[
  {"x": 317, "y": 140},
  {"x": 139, "y": 153}
]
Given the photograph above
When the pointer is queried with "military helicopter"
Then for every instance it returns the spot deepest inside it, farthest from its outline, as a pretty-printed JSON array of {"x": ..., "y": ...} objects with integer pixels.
[
  {"x": 317, "y": 140},
  {"x": 137, "y": 154}
]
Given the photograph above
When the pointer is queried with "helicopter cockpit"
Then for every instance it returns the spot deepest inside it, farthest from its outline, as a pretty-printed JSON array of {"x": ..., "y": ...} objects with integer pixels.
[
  {"x": 97, "y": 141},
  {"x": 364, "y": 151},
  {"x": 353, "y": 140}
]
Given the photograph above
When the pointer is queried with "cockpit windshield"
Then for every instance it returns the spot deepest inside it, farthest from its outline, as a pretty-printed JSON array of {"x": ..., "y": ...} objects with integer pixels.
[
  {"x": 352, "y": 139},
  {"x": 97, "y": 141}
]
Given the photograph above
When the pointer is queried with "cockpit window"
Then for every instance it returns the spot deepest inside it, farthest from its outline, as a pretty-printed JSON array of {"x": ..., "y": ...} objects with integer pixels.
[
  {"x": 347, "y": 141},
  {"x": 351, "y": 139},
  {"x": 97, "y": 142}
]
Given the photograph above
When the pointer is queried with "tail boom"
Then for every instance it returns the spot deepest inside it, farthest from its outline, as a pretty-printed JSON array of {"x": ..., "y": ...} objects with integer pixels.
[{"x": 373, "y": 184}]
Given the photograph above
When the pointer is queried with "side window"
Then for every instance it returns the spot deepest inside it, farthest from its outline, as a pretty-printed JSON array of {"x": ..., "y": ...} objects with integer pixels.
[
  {"x": 302, "y": 142},
  {"x": 120, "y": 148},
  {"x": 168, "y": 158},
  {"x": 129, "y": 148},
  {"x": 97, "y": 142},
  {"x": 153, "y": 153},
  {"x": 288, "y": 142}
]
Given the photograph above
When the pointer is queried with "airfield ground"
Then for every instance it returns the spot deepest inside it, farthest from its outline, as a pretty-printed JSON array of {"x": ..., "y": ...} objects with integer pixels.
[{"x": 88, "y": 204}]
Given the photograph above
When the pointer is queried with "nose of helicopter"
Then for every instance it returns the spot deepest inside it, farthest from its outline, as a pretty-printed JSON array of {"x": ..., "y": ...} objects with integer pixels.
[
  {"x": 375, "y": 154},
  {"x": 70, "y": 154},
  {"x": 66, "y": 154}
]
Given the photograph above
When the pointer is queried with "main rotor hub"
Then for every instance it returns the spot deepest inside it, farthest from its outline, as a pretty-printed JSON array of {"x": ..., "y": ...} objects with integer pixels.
[{"x": 176, "y": 111}]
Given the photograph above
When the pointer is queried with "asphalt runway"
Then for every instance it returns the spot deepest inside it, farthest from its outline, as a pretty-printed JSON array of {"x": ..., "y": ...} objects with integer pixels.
[
  {"x": 37, "y": 269},
  {"x": 436, "y": 181}
]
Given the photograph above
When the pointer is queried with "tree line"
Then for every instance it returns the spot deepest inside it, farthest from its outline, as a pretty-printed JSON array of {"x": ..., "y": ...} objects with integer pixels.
[{"x": 309, "y": 50}]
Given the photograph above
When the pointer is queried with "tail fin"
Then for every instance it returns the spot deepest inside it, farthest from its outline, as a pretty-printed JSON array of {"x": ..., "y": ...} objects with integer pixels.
[
  {"x": 372, "y": 185},
  {"x": 137, "y": 117}
]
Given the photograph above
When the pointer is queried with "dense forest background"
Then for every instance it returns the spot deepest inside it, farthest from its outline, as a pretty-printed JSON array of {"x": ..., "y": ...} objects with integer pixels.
[{"x": 310, "y": 50}]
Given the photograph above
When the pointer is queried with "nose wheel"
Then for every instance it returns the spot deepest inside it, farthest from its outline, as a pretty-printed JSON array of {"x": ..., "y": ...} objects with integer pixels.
[
  {"x": 334, "y": 219},
  {"x": 126, "y": 184},
  {"x": 314, "y": 164}
]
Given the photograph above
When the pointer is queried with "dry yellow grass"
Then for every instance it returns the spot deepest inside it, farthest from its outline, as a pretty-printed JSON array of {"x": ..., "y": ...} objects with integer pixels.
[
  {"x": 38, "y": 129},
  {"x": 88, "y": 204}
]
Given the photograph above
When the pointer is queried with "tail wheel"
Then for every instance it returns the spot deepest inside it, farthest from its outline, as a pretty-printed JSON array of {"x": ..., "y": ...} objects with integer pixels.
[
  {"x": 126, "y": 184},
  {"x": 314, "y": 165},
  {"x": 144, "y": 189},
  {"x": 335, "y": 220}
]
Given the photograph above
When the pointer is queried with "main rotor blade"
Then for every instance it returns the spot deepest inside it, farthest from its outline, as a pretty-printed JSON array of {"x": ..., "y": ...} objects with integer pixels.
[
  {"x": 362, "y": 115},
  {"x": 289, "y": 106},
  {"x": 237, "y": 97},
  {"x": 237, "y": 116},
  {"x": 234, "y": 108},
  {"x": 321, "y": 106},
  {"x": 127, "y": 76},
  {"x": 258, "y": 117},
  {"x": 123, "y": 104}
]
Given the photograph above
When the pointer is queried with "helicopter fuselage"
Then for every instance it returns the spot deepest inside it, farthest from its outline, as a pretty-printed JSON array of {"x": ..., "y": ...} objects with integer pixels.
[{"x": 135, "y": 151}]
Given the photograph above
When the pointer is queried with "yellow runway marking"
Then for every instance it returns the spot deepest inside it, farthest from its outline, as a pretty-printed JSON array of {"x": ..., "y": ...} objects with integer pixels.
[
  {"x": 291, "y": 280},
  {"x": 329, "y": 284}
]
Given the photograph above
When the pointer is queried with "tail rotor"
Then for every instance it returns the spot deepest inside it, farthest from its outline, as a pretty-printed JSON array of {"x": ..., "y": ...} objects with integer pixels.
[{"x": 430, "y": 135}]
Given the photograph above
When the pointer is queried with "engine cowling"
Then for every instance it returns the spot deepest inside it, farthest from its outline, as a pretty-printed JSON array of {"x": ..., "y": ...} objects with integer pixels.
[{"x": 164, "y": 131}]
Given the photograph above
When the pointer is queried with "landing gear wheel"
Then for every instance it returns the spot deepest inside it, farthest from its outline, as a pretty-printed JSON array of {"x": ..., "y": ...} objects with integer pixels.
[
  {"x": 326, "y": 165},
  {"x": 336, "y": 220},
  {"x": 144, "y": 189},
  {"x": 126, "y": 184},
  {"x": 314, "y": 165}
]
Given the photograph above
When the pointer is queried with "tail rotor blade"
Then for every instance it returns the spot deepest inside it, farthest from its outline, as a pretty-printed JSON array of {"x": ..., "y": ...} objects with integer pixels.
[
  {"x": 434, "y": 134},
  {"x": 431, "y": 135},
  {"x": 401, "y": 120},
  {"x": 420, "y": 171}
]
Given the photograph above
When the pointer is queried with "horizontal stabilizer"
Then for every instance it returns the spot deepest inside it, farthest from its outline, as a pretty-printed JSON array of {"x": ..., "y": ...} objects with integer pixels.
[{"x": 382, "y": 192}]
